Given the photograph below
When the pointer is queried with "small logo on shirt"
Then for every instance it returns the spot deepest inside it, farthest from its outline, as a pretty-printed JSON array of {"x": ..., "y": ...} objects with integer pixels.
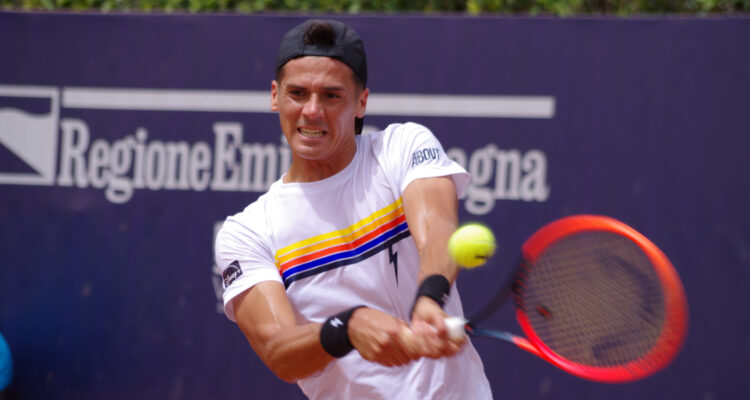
[
  {"x": 336, "y": 322},
  {"x": 231, "y": 273},
  {"x": 420, "y": 156}
]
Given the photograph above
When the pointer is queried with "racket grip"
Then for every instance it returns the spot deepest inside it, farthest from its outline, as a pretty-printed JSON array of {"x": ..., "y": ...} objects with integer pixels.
[{"x": 456, "y": 327}]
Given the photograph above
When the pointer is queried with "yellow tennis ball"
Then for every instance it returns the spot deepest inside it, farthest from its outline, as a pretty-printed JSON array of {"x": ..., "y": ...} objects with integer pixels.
[{"x": 471, "y": 245}]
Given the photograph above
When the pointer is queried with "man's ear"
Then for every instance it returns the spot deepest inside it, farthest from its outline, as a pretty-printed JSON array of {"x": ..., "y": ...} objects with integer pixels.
[
  {"x": 274, "y": 93},
  {"x": 362, "y": 103}
]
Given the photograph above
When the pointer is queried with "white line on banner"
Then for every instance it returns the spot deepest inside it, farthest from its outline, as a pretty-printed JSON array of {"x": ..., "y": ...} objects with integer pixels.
[
  {"x": 462, "y": 105},
  {"x": 259, "y": 102},
  {"x": 166, "y": 100}
]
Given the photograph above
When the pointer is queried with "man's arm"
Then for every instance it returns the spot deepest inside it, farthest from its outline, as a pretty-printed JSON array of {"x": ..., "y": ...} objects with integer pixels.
[
  {"x": 265, "y": 316},
  {"x": 431, "y": 208},
  {"x": 294, "y": 351}
]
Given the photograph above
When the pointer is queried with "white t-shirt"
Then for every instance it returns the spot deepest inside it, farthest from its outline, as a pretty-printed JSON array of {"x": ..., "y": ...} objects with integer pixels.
[{"x": 343, "y": 241}]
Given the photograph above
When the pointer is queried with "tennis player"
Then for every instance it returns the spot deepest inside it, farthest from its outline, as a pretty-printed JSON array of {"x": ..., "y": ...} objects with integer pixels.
[{"x": 338, "y": 276}]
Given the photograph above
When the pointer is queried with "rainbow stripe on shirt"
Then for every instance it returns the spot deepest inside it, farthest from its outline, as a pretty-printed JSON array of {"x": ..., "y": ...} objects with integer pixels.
[{"x": 350, "y": 245}]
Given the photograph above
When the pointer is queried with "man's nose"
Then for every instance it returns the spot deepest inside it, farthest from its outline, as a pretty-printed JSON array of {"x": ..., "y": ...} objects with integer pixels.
[{"x": 313, "y": 108}]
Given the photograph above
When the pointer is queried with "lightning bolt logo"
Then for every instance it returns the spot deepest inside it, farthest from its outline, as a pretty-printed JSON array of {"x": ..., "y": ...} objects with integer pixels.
[{"x": 393, "y": 258}]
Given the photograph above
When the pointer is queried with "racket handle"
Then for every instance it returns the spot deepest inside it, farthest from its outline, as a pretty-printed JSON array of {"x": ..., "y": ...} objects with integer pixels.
[{"x": 456, "y": 327}]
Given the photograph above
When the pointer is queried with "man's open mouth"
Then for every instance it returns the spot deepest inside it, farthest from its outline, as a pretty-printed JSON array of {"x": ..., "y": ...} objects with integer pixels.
[{"x": 311, "y": 133}]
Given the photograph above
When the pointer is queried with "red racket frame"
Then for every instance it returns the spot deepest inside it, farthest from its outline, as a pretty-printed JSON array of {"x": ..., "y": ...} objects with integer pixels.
[{"x": 674, "y": 330}]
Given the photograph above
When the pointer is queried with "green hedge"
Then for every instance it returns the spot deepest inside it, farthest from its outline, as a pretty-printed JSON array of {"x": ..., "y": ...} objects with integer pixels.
[{"x": 473, "y": 7}]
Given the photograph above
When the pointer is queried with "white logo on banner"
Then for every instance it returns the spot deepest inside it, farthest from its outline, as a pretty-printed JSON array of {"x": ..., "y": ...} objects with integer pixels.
[
  {"x": 32, "y": 138},
  {"x": 139, "y": 162}
]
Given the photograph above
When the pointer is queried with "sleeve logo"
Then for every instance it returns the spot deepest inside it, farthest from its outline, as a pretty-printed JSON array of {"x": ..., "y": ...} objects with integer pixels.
[
  {"x": 420, "y": 156},
  {"x": 231, "y": 273}
]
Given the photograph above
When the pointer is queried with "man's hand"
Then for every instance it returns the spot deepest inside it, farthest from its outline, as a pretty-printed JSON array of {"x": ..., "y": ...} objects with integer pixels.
[
  {"x": 428, "y": 323},
  {"x": 383, "y": 339}
]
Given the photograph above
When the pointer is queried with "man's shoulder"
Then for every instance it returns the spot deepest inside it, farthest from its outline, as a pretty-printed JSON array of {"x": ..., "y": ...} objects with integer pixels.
[
  {"x": 402, "y": 128},
  {"x": 395, "y": 133},
  {"x": 257, "y": 211}
]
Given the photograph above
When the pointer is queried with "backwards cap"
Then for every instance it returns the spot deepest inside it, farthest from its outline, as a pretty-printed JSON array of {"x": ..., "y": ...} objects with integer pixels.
[{"x": 347, "y": 47}]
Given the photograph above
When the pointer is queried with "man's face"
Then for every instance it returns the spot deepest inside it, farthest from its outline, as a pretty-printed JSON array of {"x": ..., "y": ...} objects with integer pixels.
[{"x": 317, "y": 99}]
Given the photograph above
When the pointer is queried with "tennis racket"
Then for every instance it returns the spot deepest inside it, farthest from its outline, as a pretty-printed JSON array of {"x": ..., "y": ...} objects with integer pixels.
[{"x": 593, "y": 297}]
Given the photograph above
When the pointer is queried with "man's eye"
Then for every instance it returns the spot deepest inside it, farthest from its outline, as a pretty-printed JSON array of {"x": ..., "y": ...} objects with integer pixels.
[{"x": 333, "y": 96}]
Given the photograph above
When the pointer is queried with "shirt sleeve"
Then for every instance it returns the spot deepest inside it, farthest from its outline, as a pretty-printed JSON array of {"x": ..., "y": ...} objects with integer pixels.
[
  {"x": 244, "y": 259},
  {"x": 413, "y": 152}
]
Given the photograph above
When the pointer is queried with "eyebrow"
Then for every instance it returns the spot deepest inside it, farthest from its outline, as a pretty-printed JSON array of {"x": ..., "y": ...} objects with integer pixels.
[{"x": 328, "y": 88}]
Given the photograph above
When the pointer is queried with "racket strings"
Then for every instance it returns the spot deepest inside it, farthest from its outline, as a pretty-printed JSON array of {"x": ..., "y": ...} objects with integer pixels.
[{"x": 594, "y": 298}]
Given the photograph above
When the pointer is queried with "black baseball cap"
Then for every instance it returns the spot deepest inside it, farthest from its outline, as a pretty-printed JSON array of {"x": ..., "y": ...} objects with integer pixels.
[{"x": 345, "y": 45}]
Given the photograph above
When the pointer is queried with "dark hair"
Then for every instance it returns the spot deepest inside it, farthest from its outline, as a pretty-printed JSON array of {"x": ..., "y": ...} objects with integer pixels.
[{"x": 320, "y": 33}]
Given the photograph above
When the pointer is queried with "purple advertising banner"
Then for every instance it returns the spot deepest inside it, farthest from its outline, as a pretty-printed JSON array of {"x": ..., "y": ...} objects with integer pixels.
[{"x": 125, "y": 140}]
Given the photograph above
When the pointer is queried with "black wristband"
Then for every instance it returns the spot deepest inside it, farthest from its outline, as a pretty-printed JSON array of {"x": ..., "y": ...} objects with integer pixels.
[
  {"x": 334, "y": 334},
  {"x": 435, "y": 287}
]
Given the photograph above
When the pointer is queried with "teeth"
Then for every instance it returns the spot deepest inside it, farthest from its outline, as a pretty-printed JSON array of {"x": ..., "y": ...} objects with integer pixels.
[{"x": 313, "y": 133}]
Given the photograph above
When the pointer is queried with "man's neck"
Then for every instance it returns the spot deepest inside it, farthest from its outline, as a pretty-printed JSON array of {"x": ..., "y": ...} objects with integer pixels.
[{"x": 303, "y": 170}]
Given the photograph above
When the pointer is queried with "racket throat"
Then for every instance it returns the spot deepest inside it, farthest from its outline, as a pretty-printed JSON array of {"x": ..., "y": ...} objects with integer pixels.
[{"x": 507, "y": 337}]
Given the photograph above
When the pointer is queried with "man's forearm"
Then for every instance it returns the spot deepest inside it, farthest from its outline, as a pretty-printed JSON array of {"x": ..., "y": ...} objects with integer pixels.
[{"x": 431, "y": 208}]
